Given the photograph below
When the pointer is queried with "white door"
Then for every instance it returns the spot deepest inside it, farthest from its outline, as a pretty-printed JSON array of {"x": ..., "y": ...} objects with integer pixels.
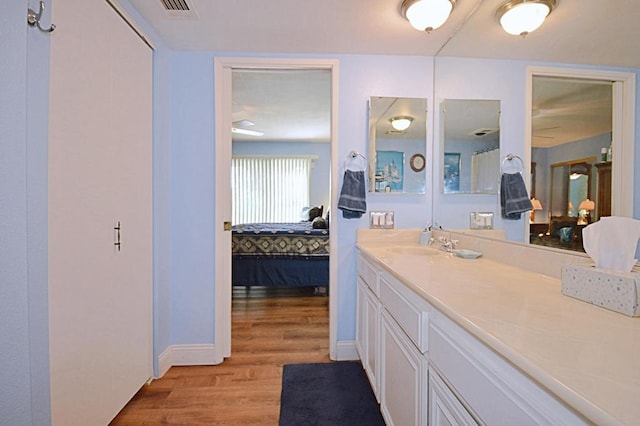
[{"x": 100, "y": 298}]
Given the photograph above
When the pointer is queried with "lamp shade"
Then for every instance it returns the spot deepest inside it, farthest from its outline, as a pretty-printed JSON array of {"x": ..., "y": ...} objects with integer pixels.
[
  {"x": 536, "y": 204},
  {"x": 401, "y": 123},
  {"x": 426, "y": 15},
  {"x": 520, "y": 17},
  {"x": 587, "y": 205}
]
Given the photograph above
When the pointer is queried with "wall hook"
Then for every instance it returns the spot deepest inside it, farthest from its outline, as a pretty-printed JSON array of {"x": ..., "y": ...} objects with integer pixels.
[{"x": 33, "y": 19}]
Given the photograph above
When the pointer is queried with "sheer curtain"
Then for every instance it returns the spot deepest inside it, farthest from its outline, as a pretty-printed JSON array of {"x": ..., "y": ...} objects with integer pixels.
[
  {"x": 269, "y": 189},
  {"x": 485, "y": 171}
]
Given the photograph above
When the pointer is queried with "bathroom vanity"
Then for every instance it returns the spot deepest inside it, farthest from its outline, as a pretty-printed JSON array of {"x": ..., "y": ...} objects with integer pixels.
[{"x": 447, "y": 340}]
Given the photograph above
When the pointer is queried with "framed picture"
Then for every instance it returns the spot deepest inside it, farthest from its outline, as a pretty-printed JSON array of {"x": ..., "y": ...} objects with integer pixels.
[
  {"x": 451, "y": 172},
  {"x": 389, "y": 171}
]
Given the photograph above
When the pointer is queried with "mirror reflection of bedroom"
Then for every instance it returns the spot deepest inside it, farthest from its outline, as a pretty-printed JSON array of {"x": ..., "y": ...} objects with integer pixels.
[
  {"x": 571, "y": 158},
  {"x": 280, "y": 186}
]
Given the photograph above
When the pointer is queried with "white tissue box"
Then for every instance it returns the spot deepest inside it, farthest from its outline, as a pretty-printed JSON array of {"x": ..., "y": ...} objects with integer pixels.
[{"x": 613, "y": 290}]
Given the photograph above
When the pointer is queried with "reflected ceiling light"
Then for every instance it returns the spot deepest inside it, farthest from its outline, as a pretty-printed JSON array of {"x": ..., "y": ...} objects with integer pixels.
[
  {"x": 520, "y": 17},
  {"x": 426, "y": 15},
  {"x": 401, "y": 123},
  {"x": 246, "y": 132}
]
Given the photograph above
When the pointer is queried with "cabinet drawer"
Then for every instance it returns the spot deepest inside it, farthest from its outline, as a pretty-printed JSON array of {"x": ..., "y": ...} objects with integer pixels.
[
  {"x": 405, "y": 307},
  {"x": 496, "y": 391},
  {"x": 369, "y": 274}
]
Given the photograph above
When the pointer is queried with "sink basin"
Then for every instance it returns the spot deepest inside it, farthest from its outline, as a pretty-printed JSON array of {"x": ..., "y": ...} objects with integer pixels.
[{"x": 413, "y": 251}]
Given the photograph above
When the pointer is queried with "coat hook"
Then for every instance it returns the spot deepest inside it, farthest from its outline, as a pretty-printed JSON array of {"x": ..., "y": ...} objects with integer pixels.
[{"x": 33, "y": 19}]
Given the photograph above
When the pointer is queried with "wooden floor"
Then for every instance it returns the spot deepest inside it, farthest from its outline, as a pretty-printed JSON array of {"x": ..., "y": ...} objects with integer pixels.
[{"x": 244, "y": 390}]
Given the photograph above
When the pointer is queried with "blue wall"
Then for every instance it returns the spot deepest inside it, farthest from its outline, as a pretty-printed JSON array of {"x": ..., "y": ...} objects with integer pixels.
[
  {"x": 24, "y": 341},
  {"x": 193, "y": 189}
]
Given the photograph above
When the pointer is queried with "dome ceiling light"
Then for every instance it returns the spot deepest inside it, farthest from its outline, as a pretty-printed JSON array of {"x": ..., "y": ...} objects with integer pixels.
[
  {"x": 426, "y": 15},
  {"x": 401, "y": 123},
  {"x": 520, "y": 17}
]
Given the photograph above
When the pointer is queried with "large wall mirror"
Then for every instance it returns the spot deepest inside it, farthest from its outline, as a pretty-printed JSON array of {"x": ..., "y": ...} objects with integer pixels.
[
  {"x": 572, "y": 128},
  {"x": 397, "y": 145},
  {"x": 471, "y": 146}
]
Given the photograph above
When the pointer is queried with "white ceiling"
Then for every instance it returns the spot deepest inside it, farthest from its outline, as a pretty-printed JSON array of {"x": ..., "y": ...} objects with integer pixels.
[
  {"x": 595, "y": 32},
  {"x": 598, "y": 32}
]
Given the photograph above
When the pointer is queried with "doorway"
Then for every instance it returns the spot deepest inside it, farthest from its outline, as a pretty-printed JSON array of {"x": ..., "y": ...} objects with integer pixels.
[{"x": 224, "y": 68}]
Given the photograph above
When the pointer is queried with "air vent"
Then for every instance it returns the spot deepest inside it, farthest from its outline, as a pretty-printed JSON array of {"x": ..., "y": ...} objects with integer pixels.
[
  {"x": 176, "y": 5},
  {"x": 179, "y": 9}
]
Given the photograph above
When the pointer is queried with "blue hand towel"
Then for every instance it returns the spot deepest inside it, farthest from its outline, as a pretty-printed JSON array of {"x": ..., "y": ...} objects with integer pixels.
[
  {"x": 514, "y": 199},
  {"x": 352, "y": 199}
]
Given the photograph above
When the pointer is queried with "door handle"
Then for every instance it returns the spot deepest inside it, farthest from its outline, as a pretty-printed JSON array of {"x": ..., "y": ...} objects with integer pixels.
[{"x": 117, "y": 229}]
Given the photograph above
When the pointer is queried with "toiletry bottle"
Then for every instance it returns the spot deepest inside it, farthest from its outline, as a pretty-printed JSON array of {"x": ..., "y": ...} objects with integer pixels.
[
  {"x": 425, "y": 235},
  {"x": 609, "y": 154},
  {"x": 603, "y": 154}
]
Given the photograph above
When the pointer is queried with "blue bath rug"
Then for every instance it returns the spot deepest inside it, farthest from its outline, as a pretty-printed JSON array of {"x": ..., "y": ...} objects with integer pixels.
[{"x": 331, "y": 394}]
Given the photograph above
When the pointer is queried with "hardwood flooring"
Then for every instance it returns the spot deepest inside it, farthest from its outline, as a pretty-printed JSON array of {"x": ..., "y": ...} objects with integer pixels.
[{"x": 244, "y": 390}]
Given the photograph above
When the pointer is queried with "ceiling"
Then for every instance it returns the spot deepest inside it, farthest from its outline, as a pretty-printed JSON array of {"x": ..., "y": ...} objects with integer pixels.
[{"x": 577, "y": 32}]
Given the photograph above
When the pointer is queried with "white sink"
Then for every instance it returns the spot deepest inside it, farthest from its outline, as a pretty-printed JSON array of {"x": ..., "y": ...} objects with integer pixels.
[{"x": 413, "y": 251}]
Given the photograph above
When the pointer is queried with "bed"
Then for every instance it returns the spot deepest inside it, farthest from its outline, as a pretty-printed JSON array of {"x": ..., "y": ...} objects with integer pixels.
[{"x": 280, "y": 255}]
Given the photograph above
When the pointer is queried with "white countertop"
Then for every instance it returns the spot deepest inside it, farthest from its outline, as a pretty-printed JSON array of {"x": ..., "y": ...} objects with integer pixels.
[{"x": 587, "y": 356}]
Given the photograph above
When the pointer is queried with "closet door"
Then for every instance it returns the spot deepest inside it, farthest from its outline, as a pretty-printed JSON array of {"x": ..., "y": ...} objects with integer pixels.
[{"x": 100, "y": 298}]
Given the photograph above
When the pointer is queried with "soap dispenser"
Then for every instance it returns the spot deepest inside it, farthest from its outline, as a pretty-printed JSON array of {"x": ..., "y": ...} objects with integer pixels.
[{"x": 425, "y": 235}]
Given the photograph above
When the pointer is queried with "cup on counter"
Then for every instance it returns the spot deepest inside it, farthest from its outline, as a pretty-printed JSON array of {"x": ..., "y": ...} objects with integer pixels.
[{"x": 425, "y": 238}]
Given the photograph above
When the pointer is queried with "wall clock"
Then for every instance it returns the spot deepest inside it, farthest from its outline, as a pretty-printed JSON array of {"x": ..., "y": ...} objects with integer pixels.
[{"x": 417, "y": 162}]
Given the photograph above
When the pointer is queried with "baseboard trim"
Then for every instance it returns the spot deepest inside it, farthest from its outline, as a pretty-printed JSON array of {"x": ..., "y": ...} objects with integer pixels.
[
  {"x": 207, "y": 355},
  {"x": 164, "y": 362},
  {"x": 187, "y": 355},
  {"x": 346, "y": 350}
]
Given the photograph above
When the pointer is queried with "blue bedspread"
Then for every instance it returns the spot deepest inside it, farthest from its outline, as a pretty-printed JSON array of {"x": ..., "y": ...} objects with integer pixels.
[{"x": 279, "y": 239}]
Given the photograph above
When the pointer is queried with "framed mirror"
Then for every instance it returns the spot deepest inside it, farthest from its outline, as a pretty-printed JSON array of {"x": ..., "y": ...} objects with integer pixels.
[
  {"x": 397, "y": 145},
  {"x": 471, "y": 146},
  {"x": 572, "y": 134}
]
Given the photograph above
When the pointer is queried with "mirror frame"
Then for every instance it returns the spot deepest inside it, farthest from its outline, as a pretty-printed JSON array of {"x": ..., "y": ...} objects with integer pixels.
[{"x": 623, "y": 130}]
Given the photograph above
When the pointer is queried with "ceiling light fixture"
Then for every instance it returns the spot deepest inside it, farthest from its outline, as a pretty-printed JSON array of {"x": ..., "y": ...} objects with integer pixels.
[
  {"x": 426, "y": 15},
  {"x": 401, "y": 123},
  {"x": 520, "y": 17},
  {"x": 246, "y": 132}
]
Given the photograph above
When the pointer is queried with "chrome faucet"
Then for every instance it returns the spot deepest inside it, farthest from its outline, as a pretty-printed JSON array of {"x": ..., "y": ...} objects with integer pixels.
[{"x": 447, "y": 244}]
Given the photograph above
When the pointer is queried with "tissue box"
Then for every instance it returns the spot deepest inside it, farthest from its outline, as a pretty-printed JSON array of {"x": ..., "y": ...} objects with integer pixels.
[{"x": 613, "y": 290}]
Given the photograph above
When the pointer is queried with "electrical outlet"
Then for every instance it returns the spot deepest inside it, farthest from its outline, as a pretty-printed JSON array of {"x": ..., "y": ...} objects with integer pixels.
[{"x": 381, "y": 220}]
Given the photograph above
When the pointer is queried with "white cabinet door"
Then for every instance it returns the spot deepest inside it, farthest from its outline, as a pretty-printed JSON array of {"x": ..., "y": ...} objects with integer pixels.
[
  {"x": 100, "y": 299},
  {"x": 444, "y": 407},
  {"x": 403, "y": 377},
  {"x": 368, "y": 334},
  {"x": 361, "y": 321}
]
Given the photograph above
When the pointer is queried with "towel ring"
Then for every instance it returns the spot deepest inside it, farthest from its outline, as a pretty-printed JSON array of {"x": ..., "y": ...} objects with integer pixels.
[
  {"x": 354, "y": 156},
  {"x": 510, "y": 158}
]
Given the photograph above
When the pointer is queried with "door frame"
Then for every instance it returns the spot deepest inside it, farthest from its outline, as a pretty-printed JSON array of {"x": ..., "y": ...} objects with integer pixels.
[
  {"x": 223, "y": 68},
  {"x": 623, "y": 129}
]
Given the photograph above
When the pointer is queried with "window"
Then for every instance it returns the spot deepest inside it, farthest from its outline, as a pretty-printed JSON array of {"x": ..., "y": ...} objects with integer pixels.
[{"x": 269, "y": 189}]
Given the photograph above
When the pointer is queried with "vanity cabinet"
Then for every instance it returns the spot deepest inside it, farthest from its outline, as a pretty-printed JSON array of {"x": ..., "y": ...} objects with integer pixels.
[
  {"x": 445, "y": 409},
  {"x": 392, "y": 342},
  {"x": 427, "y": 369},
  {"x": 488, "y": 387}
]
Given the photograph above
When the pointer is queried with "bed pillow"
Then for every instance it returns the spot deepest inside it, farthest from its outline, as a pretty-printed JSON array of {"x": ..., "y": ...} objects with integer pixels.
[
  {"x": 319, "y": 223},
  {"x": 315, "y": 212},
  {"x": 304, "y": 214}
]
